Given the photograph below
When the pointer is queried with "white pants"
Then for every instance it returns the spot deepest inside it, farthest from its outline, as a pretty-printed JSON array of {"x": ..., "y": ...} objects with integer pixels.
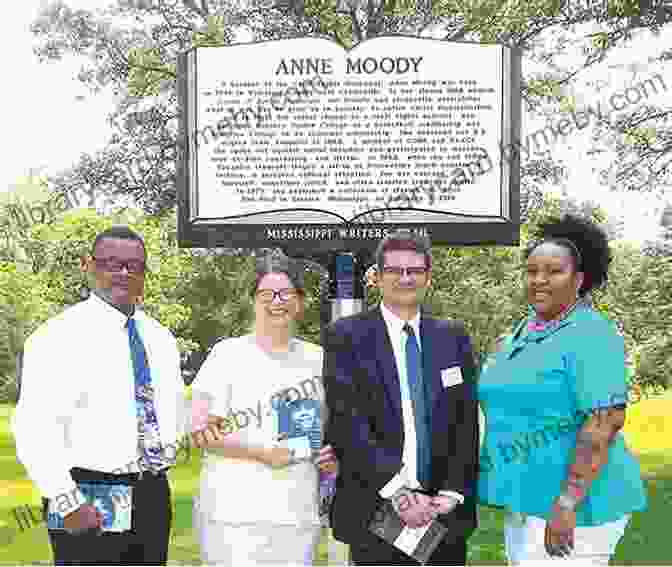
[
  {"x": 257, "y": 544},
  {"x": 593, "y": 545}
]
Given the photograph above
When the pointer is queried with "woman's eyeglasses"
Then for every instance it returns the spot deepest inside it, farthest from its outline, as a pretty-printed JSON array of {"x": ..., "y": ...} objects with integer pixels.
[{"x": 268, "y": 295}]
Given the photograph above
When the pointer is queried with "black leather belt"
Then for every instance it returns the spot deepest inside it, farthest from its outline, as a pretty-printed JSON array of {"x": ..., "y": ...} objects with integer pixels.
[{"x": 83, "y": 475}]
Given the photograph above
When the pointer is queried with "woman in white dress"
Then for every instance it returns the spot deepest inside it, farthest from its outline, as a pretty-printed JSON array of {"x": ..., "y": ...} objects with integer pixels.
[{"x": 259, "y": 495}]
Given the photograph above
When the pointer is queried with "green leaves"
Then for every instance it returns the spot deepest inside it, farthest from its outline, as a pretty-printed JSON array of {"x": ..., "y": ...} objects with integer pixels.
[
  {"x": 213, "y": 35},
  {"x": 331, "y": 22},
  {"x": 203, "y": 295},
  {"x": 147, "y": 71}
]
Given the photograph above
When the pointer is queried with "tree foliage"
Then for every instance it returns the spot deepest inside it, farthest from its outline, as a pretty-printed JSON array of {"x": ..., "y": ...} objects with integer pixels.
[
  {"x": 204, "y": 295},
  {"x": 132, "y": 48}
]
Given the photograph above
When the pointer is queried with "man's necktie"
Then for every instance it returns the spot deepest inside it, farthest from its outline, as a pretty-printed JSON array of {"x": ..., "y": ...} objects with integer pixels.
[
  {"x": 149, "y": 441},
  {"x": 417, "y": 390}
]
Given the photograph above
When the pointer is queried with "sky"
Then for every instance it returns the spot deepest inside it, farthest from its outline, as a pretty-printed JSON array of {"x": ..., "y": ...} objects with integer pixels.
[{"x": 52, "y": 119}]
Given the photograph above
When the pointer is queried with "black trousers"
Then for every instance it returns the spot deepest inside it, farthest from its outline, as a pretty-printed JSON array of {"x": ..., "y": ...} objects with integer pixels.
[
  {"x": 145, "y": 544},
  {"x": 382, "y": 553}
]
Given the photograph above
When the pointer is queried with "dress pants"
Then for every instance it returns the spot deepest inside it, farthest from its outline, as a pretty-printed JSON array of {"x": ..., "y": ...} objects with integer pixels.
[
  {"x": 145, "y": 544},
  {"x": 452, "y": 552}
]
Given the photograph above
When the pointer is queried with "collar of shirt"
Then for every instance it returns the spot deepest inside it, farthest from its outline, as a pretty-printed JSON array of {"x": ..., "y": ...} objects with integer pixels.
[
  {"x": 109, "y": 313},
  {"x": 396, "y": 325},
  {"x": 521, "y": 337}
]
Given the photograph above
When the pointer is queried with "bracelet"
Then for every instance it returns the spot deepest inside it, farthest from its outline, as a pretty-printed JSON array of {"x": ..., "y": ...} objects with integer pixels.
[{"x": 566, "y": 502}]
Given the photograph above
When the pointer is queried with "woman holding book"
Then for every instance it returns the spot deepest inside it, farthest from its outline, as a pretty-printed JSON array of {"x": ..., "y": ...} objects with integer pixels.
[
  {"x": 554, "y": 399},
  {"x": 259, "y": 497}
]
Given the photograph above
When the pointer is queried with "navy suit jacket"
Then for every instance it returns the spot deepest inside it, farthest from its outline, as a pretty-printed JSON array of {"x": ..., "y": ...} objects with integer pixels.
[{"x": 365, "y": 423}]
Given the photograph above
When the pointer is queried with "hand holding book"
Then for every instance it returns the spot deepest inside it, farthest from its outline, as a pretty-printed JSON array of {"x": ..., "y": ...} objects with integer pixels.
[
  {"x": 326, "y": 460},
  {"x": 86, "y": 517},
  {"x": 444, "y": 504},
  {"x": 416, "y": 542},
  {"x": 415, "y": 509},
  {"x": 108, "y": 507},
  {"x": 298, "y": 428}
]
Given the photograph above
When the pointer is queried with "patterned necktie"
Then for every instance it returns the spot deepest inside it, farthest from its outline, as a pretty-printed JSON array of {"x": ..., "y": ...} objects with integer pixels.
[
  {"x": 417, "y": 390},
  {"x": 149, "y": 441}
]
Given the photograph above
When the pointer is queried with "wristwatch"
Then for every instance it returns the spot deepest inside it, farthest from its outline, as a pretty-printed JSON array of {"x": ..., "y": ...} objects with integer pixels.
[{"x": 566, "y": 502}]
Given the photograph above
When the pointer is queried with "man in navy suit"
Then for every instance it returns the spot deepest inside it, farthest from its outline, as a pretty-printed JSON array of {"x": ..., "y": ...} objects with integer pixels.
[{"x": 403, "y": 417}]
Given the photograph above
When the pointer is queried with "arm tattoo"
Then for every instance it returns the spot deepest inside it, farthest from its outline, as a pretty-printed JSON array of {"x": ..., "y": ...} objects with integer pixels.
[{"x": 592, "y": 449}]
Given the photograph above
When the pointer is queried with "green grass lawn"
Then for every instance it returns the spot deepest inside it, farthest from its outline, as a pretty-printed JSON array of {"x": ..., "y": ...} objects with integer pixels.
[{"x": 648, "y": 431}]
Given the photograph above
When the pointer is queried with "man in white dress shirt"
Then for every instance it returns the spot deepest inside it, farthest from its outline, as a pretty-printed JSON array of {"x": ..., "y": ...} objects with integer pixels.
[{"x": 102, "y": 402}]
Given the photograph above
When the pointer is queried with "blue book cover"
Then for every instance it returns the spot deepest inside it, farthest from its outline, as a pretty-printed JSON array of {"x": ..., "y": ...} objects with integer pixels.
[
  {"x": 299, "y": 426},
  {"x": 112, "y": 499}
]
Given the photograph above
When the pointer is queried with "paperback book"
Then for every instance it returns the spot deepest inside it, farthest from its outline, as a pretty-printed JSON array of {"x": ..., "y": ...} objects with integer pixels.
[
  {"x": 298, "y": 426},
  {"x": 112, "y": 499},
  {"x": 418, "y": 543}
]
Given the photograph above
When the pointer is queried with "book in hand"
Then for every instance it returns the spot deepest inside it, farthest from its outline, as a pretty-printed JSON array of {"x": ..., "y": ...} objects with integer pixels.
[
  {"x": 112, "y": 499},
  {"x": 418, "y": 543},
  {"x": 299, "y": 427}
]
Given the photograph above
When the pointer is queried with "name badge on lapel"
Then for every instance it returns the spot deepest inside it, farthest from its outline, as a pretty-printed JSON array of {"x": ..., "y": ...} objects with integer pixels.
[{"x": 451, "y": 376}]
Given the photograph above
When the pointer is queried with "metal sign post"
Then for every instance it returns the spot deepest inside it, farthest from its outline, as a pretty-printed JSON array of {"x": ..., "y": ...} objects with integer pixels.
[
  {"x": 346, "y": 285},
  {"x": 347, "y": 297}
]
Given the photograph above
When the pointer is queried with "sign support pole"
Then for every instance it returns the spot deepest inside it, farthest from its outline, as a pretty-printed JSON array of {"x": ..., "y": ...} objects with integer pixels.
[
  {"x": 347, "y": 296},
  {"x": 342, "y": 293}
]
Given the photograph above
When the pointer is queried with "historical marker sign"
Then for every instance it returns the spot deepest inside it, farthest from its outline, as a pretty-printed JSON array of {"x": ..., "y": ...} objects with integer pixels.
[{"x": 303, "y": 145}]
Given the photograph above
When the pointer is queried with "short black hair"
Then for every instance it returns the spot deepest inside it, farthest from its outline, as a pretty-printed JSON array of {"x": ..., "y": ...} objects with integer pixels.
[
  {"x": 404, "y": 239},
  {"x": 587, "y": 238},
  {"x": 118, "y": 231}
]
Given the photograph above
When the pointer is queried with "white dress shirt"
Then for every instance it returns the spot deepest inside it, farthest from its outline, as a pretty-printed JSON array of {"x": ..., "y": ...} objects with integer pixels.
[
  {"x": 408, "y": 476},
  {"x": 77, "y": 403}
]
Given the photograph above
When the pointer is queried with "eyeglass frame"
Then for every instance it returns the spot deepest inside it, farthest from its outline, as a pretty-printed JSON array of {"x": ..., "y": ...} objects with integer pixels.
[
  {"x": 401, "y": 270},
  {"x": 276, "y": 293},
  {"x": 123, "y": 264}
]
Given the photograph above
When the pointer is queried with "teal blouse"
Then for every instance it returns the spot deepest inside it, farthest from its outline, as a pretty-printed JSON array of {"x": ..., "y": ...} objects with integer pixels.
[{"x": 536, "y": 393}]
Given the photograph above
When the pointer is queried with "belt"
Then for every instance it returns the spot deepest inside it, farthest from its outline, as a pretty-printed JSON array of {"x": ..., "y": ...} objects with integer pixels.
[
  {"x": 162, "y": 473},
  {"x": 83, "y": 475}
]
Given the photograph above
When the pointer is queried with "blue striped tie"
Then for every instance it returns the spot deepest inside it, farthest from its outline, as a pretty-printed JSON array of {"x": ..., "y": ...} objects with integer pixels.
[{"x": 417, "y": 390}]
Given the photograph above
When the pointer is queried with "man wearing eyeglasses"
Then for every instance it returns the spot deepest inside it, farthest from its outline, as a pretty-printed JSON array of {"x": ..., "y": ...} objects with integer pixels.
[
  {"x": 403, "y": 421},
  {"x": 100, "y": 412}
]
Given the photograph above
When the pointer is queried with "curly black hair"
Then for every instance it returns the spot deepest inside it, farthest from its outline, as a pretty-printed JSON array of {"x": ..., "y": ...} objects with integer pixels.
[{"x": 590, "y": 240}]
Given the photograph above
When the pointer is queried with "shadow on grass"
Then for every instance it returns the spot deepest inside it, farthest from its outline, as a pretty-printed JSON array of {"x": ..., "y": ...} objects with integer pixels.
[
  {"x": 647, "y": 537},
  {"x": 184, "y": 549},
  {"x": 486, "y": 545}
]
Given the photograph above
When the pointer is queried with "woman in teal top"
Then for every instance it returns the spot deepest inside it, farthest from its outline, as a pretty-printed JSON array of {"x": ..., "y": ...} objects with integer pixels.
[{"x": 554, "y": 398}]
